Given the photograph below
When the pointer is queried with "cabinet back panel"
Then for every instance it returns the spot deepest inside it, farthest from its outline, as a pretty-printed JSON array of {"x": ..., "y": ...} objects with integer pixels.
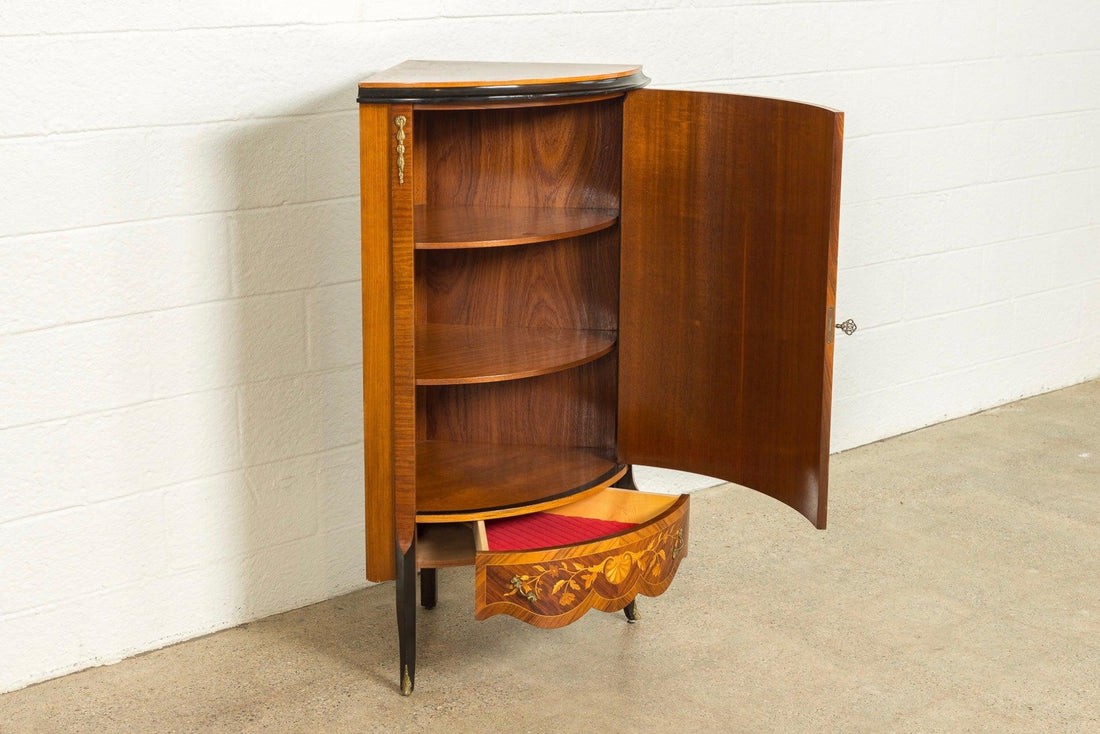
[
  {"x": 575, "y": 407},
  {"x": 562, "y": 156},
  {"x": 566, "y": 284}
]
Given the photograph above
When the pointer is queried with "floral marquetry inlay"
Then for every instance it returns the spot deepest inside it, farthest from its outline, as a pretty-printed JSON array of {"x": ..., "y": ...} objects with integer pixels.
[
  {"x": 551, "y": 587},
  {"x": 568, "y": 578}
]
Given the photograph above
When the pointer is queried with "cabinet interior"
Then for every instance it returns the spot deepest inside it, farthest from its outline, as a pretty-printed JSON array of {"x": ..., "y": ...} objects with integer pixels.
[{"x": 516, "y": 305}]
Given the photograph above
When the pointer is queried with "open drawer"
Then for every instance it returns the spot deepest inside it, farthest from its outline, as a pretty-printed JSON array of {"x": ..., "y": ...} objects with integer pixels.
[{"x": 616, "y": 544}]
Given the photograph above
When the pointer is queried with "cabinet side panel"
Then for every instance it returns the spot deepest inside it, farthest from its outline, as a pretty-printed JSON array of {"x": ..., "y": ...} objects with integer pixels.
[
  {"x": 374, "y": 157},
  {"x": 404, "y": 331},
  {"x": 727, "y": 275}
]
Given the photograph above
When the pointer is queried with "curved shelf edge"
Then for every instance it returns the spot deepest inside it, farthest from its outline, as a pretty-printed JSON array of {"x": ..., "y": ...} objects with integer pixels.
[
  {"x": 453, "y": 354},
  {"x": 466, "y": 482},
  {"x": 467, "y": 227}
]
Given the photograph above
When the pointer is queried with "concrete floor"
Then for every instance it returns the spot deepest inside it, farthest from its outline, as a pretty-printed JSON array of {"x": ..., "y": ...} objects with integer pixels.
[{"x": 956, "y": 589}]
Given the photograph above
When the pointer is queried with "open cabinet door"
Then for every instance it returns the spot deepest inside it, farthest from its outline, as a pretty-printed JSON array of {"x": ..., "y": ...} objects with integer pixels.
[{"x": 728, "y": 281}]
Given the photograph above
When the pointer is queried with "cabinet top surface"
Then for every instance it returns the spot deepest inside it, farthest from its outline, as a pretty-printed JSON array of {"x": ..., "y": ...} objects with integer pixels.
[
  {"x": 433, "y": 82},
  {"x": 491, "y": 73}
]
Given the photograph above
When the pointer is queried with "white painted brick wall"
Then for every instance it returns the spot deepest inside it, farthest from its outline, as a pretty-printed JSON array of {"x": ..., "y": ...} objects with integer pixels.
[{"x": 180, "y": 420}]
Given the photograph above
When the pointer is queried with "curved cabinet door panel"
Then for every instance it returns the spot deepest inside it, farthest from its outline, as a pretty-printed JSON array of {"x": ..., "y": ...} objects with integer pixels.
[{"x": 728, "y": 280}]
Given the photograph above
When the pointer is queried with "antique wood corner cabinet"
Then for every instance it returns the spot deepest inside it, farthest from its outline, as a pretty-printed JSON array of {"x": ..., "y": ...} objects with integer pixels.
[{"x": 565, "y": 275}]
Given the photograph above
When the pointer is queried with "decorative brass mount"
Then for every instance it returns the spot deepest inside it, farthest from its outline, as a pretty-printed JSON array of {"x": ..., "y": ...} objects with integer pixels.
[
  {"x": 679, "y": 543},
  {"x": 400, "y": 121},
  {"x": 517, "y": 584}
]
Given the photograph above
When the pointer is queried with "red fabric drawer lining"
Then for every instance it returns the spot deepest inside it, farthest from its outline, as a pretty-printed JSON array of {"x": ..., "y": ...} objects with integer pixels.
[{"x": 543, "y": 530}]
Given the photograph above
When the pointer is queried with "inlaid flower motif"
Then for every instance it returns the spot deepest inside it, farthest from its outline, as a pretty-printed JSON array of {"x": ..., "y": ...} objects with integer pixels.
[
  {"x": 567, "y": 579},
  {"x": 617, "y": 568}
]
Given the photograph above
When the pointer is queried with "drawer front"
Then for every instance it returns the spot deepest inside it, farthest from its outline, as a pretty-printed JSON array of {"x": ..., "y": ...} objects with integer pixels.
[{"x": 555, "y": 586}]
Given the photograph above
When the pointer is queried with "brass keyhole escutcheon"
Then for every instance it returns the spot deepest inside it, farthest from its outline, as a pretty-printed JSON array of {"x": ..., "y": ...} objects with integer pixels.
[{"x": 848, "y": 327}]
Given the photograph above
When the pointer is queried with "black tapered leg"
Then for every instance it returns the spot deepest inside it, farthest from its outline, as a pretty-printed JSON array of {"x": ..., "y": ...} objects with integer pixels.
[
  {"x": 626, "y": 481},
  {"x": 427, "y": 588},
  {"x": 631, "y": 611},
  {"x": 406, "y": 616}
]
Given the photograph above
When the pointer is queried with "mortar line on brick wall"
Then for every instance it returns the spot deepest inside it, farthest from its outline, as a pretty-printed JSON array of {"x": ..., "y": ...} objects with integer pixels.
[
  {"x": 299, "y": 25},
  {"x": 97, "y": 660},
  {"x": 91, "y": 131},
  {"x": 204, "y": 28},
  {"x": 946, "y": 64},
  {"x": 176, "y": 396},
  {"x": 960, "y": 187},
  {"x": 180, "y": 307},
  {"x": 238, "y": 432},
  {"x": 964, "y": 248},
  {"x": 187, "y": 215},
  {"x": 900, "y": 323},
  {"x": 998, "y": 9},
  {"x": 233, "y": 619},
  {"x": 441, "y": 16},
  {"x": 79, "y": 506},
  {"x": 39, "y": 608},
  {"x": 51, "y": 606},
  {"x": 948, "y": 417},
  {"x": 971, "y": 368},
  {"x": 322, "y": 453},
  {"x": 975, "y": 123}
]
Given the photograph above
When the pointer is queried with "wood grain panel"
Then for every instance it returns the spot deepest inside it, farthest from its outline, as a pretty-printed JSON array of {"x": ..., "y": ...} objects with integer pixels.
[
  {"x": 545, "y": 157},
  {"x": 553, "y": 587},
  {"x": 569, "y": 284},
  {"x": 470, "y": 481},
  {"x": 729, "y": 225},
  {"x": 374, "y": 161},
  {"x": 469, "y": 226},
  {"x": 574, "y": 407},
  {"x": 452, "y": 354},
  {"x": 404, "y": 354}
]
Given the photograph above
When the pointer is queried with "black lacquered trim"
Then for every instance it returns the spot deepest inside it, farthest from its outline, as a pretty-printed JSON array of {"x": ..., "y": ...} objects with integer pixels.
[{"x": 498, "y": 93}]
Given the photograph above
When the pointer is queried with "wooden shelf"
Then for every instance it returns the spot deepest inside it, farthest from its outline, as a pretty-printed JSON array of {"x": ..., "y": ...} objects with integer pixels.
[
  {"x": 453, "y": 354},
  {"x": 469, "y": 481},
  {"x": 445, "y": 228}
]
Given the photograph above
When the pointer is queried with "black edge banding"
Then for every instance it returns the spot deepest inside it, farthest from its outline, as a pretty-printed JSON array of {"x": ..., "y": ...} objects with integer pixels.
[{"x": 500, "y": 93}]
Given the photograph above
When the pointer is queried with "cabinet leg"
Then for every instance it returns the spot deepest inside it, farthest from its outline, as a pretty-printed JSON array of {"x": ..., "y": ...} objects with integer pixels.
[
  {"x": 626, "y": 481},
  {"x": 406, "y": 617},
  {"x": 631, "y": 611},
  {"x": 427, "y": 588}
]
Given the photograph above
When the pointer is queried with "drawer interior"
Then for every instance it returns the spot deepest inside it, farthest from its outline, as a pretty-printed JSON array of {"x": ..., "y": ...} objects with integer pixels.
[{"x": 600, "y": 515}]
